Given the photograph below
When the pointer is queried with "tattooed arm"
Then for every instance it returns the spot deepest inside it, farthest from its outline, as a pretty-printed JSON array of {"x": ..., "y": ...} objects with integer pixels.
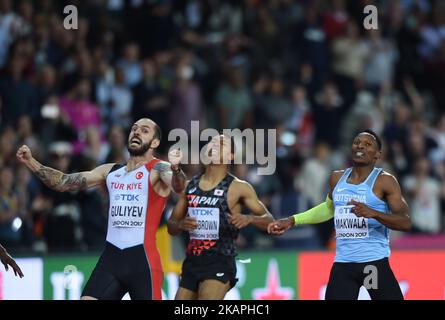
[
  {"x": 172, "y": 177},
  {"x": 60, "y": 181}
]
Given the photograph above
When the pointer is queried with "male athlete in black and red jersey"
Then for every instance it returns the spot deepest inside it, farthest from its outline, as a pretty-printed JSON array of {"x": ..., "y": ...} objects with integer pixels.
[
  {"x": 138, "y": 192},
  {"x": 210, "y": 210}
]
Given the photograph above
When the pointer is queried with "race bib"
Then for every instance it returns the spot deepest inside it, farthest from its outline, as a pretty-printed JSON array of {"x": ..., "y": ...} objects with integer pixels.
[
  {"x": 125, "y": 213},
  {"x": 208, "y": 223},
  {"x": 348, "y": 225}
]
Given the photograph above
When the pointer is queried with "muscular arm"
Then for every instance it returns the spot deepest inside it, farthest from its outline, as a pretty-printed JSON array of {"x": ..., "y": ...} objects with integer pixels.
[
  {"x": 179, "y": 221},
  {"x": 178, "y": 214},
  {"x": 318, "y": 214},
  {"x": 61, "y": 182},
  {"x": 172, "y": 178},
  {"x": 260, "y": 216},
  {"x": 399, "y": 218},
  {"x": 58, "y": 180},
  {"x": 7, "y": 261}
]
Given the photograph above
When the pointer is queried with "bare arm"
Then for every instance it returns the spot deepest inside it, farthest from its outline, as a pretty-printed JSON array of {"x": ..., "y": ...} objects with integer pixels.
[
  {"x": 60, "y": 181},
  {"x": 260, "y": 216},
  {"x": 179, "y": 221},
  {"x": 174, "y": 177},
  {"x": 7, "y": 261},
  {"x": 313, "y": 215},
  {"x": 170, "y": 172},
  {"x": 399, "y": 218}
]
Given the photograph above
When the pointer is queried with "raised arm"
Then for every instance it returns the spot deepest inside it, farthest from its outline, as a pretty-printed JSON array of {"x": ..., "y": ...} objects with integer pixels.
[
  {"x": 170, "y": 172},
  {"x": 260, "y": 216},
  {"x": 60, "y": 181}
]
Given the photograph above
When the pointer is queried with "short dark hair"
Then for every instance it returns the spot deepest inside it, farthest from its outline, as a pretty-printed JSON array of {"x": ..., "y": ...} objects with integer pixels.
[{"x": 376, "y": 137}]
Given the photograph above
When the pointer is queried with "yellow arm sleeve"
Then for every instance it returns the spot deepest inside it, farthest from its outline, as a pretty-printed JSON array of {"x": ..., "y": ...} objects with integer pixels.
[{"x": 321, "y": 213}]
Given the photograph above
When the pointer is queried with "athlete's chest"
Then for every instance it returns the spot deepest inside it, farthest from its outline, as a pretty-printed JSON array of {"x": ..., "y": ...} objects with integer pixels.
[{"x": 131, "y": 186}]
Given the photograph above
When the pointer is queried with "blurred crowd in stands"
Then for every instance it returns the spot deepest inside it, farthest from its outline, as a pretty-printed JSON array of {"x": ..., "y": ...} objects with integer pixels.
[{"x": 307, "y": 68}]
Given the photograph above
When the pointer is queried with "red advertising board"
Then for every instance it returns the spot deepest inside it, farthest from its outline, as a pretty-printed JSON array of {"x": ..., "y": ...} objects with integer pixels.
[{"x": 421, "y": 274}]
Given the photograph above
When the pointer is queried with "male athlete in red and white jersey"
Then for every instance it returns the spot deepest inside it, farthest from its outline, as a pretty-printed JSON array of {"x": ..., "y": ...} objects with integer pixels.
[{"x": 138, "y": 193}]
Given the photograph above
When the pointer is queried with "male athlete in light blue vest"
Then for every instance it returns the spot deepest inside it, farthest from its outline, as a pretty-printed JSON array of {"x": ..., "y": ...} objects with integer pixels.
[{"x": 365, "y": 203}]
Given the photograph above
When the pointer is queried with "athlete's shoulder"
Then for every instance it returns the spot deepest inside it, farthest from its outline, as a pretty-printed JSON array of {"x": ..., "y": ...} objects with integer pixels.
[
  {"x": 336, "y": 175},
  {"x": 241, "y": 186},
  {"x": 337, "y": 172},
  {"x": 387, "y": 178},
  {"x": 107, "y": 168}
]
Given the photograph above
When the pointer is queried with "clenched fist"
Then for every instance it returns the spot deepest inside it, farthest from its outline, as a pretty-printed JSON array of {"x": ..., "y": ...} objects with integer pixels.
[
  {"x": 24, "y": 154},
  {"x": 175, "y": 157}
]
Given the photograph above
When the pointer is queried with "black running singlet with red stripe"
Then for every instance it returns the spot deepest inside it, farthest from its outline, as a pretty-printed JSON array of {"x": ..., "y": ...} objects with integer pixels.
[{"x": 214, "y": 235}]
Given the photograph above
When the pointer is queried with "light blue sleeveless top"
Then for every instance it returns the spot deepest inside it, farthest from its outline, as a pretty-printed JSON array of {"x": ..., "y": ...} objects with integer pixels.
[{"x": 359, "y": 239}]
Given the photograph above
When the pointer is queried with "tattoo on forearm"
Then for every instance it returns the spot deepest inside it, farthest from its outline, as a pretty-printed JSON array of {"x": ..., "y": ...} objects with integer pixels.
[
  {"x": 162, "y": 167},
  {"x": 60, "y": 181},
  {"x": 177, "y": 180}
]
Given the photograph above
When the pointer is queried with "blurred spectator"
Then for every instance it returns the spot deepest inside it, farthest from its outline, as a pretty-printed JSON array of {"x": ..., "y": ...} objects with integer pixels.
[
  {"x": 316, "y": 169},
  {"x": 62, "y": 216},
  {"x": 26, "y": 190},
  {"x": 150, "y": 98},
  {"x": 329, "y": 109},
  {"x": 310, "y": 44},
  {"x": 47, "y": 84},
  {"x": 93, "y": 213},
  {"x": 117, "y": 146},
  {"x": 19, "y": 96},
  {"x": 349, "y": 53},
  {"x": 11, "y": 26},
  {"x": 433, "y": 33},
  {"x": 335, "y": 20},
  {"x": 25, "y": 134},
  {"x": 8, "y": 140},
  {"x": 438, "y": 134},
  {"x": 10, "y": 222},
  {"x": 120, "y": 101},
  {"x": 380, "y": 64},
  {"x": 274, "y": 104},
  {"x": 187, "y": 104},
  {"x": 301, "y": 120},
  {"x": 424, "y": 197},
  {"x": 94, "y": 149},
  {"x": 130, "y": 64},
  {"x": 290, "y": 201},
  {"x": 234, "y": 101},
  {"x": 80, "y": 111}
]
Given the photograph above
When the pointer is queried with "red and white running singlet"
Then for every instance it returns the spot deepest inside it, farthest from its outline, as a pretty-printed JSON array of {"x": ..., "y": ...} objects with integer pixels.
[{"x": 135, "y": 208}]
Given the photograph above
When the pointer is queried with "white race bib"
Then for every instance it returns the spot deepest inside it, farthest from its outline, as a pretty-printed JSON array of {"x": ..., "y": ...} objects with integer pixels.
[
  {"x": 208, "y": 223},
  {"x": 348, "y": 225},
  {"x": 126, "y": 214}
]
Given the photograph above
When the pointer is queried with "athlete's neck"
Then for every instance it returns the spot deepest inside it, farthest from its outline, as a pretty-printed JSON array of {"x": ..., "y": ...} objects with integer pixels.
[
  {"x": 137, "y": 161},
  {"x": 215, "y": 172},
  {"x": 360, "y": 173}
]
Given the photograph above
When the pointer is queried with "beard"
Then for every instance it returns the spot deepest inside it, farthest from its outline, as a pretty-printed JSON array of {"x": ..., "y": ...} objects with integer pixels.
[{"x": 139, "y": 151}]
